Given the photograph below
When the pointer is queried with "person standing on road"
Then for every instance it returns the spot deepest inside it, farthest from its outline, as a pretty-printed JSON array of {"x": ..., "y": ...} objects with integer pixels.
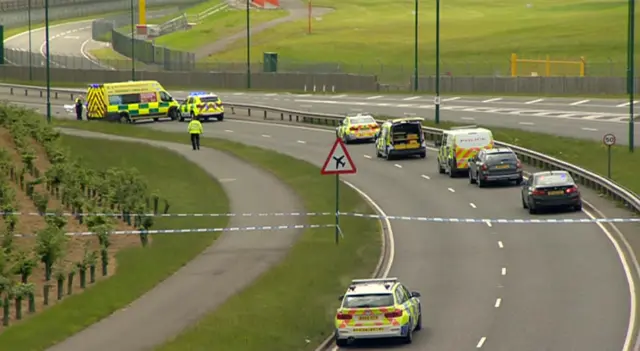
[
  {"x": 195, "y": 129},
  {"x": 79, "y": 108}
]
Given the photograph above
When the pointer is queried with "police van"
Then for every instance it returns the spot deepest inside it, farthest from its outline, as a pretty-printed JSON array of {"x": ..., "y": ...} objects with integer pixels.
[{"x": 460, "y": 144}]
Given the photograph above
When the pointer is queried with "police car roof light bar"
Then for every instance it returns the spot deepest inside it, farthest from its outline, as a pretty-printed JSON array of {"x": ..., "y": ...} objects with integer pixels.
[
  {"x": 370, "y": 281},
  {"x": 198, "y": 93}
]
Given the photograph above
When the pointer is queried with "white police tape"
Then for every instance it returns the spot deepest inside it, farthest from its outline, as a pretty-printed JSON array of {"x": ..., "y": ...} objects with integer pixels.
[
  {"x": 348, "y": 214},
  {"x": 197, "y": 230}
]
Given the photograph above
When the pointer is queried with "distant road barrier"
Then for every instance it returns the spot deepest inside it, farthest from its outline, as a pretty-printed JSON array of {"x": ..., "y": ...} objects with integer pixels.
[{"x": 274, "y": 114}]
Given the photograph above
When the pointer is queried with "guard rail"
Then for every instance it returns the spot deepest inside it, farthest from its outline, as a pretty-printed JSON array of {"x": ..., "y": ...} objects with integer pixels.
[{"x": 530, "y": 157}]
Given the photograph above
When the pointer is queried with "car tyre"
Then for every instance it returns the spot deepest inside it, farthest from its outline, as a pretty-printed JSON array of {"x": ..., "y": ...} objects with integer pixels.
[
  {"x": 524, "y": 204},
  {"x": 342, "y": 342},
  {"x": 221, "y": 117},
  {"x": 471, "y": 179},
  {"x": 532, "y": 210},
  {"x": 519, "y": 181},
  {"x": 480, "y": 183},
  {"x": 423, "y": 155},
  {"x": 408, "y": 339},
  {"x": 173, "y": 114},
  {"x": 181, "y": 118},
  {"x": 578, "y": 207},
  {"x": 419, "y": 325},
  {"x": 440, "y": 168}
]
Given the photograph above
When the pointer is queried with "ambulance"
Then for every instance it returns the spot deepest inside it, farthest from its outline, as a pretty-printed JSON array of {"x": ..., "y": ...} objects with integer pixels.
[{"x": 460, "y": 144}]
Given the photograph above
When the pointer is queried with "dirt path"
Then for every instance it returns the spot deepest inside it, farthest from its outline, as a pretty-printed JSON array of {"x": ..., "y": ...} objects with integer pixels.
[{"x": 297, "y": 10}]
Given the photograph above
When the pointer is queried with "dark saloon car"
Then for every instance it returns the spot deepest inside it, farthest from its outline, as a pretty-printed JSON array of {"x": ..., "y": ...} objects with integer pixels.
[
  {"x": 550, "y": 189},
  {"x": 494, "y": 165}
]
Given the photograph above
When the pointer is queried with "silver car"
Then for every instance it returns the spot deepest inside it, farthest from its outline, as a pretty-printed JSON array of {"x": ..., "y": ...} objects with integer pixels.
[{"x": 494, "y": 165}]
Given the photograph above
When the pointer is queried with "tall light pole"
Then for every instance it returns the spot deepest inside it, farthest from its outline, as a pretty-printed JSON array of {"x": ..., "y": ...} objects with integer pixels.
[
  {"x": 48, "y": 58},
  {"x": 248, "y": 46},
  {"x": 415, "y": 50},
  {"x": 30, "y": 53},
  {"x": 133, "y": 46},
  {"x": 630, "y": 70},
  {"x": 437, "y": 99}
]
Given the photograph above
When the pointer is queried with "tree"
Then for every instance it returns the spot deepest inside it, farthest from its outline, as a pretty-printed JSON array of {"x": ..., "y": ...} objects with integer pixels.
[
  {"x": 58, "y": 220},
  {"x": 51, "y": 243},
  {"x": 104, "y": 237},
  {"x": 24, "y": 263}
]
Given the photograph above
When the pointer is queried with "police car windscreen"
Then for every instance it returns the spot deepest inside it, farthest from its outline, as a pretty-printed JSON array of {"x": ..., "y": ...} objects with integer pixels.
[
  {"x": 362, "y": 120},
  {"x": 209, "y": 99},
  {"x": 368, "y": 301}
]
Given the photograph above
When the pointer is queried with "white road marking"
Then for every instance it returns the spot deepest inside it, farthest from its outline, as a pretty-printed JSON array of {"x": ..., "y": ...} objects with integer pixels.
[
  {"x": 468, "y": 118},
  {"x": 411, "y": 98},
  {"x": 504, "y": 271},
  {"x": 452, "y": 99},
  {"x": 374, "y": 97},
  {"x": 626, "y": 104},
  {"x": 425, "y": 177},
  {"x": 71, "y": 37},
  {"x": 481, "y": 342},
  {"x": 472, "y": 205},
  {"x": 301, "y": 142},
  {"x": 238, "y": 93},
  {"x": 451, "y": 190},
  {"x": 590, "y": 129},
  {"x": 272, "y": 94},
  {"x": 489, "y": 224},
  {"x": 526, "y": 123},
  {"x": 339, "y": 96},
  {"x": 492, "y": 100},
  {"x": 533, "y": 101},
  {"x": 398, "y": 166},
  {"x": 266, "y": 136},
  {"x": 500, "y": 244},
  {"x": 227, "y": 180},
  {"x": 367, "y": 156},
  {"x": 228, "y": 131},
  {"x": 498, "y": 302},
  {"x": 579, "y": 102}
]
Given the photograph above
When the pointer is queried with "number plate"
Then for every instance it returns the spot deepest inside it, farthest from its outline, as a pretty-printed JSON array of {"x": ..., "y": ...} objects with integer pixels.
[
  {"x": 502, "y": 166},
  {"x": 557, "y": 192},
  {"x": 367, "y": 330},
  {"x": 368, "y": 318}
]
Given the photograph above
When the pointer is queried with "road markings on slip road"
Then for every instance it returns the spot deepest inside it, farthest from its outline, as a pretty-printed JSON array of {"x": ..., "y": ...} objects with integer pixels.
[
  {"x": 500, "y": 244},
  {"x": 367, "y": 156},
  {"x": 425, "y": 177},
  {"x": 228, "y": 131},
  {"x": 626, "y": 104},
  {"x": 533, "y": 101},
  {"x": 451, "y": 190},
  {"x": 590, "y": 129},
  {"x": 481, "y": 342},
  {"x": 489, "y": 224},
  {"x": 504, "y": 271},
  {"x": 374, "y": 97},
  {"x": 452, "y": 99},
  {"x": 301, "y": 142},
  {"x": 266, "y": 136},
  {"x": 472, "y": 205},
  {"x": 411, "y": 98},
  {"x": 498, "y": 302},
  {"x": 398, "y": 166},
  {"x": 493, "y": 100},
  {"x": 579, "y": 102},
  {"x": 526, "y": 123}
]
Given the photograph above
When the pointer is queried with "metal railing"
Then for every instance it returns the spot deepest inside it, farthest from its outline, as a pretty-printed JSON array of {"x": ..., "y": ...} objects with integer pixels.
[{"x": 538, "y": 160}]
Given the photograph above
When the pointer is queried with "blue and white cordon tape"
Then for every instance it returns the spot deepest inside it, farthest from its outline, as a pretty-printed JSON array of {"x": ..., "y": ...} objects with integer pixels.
[{"x": 351, "y": 214}]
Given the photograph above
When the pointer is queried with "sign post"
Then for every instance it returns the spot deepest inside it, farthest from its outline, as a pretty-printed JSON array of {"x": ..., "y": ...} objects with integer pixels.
[
  {"x": 338, "y": 162},
  {"x": 609, "y": 140}
]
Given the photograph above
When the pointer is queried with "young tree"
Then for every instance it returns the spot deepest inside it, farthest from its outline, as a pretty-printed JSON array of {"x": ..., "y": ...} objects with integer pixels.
[
  {"x": 24, "y": 263},
  {"x": 51, "y": 243}
]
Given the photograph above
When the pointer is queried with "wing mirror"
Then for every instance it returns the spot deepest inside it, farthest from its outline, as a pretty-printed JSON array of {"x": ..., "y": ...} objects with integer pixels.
[
  {"x": 415, "y": 294},
  {"x": 438, "y": 143},
  {"x": 340, "y": 123},
  {"x": 341, "y": 298}
]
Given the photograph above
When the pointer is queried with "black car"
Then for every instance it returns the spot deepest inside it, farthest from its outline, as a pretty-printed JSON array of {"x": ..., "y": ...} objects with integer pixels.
[
  {"x": 550, "y": 189},
  {"x": 493, "y": 165}
]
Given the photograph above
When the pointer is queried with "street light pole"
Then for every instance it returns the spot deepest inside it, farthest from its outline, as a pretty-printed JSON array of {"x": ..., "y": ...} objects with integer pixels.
[
  {"x": 415, "y": 50},
  {"x": 46, "y": 29},
  {"x": 30, "y": 53},
  {"x": 437, "y": 99},
  {"x": 133, "y": 47},
  {"x": 248, "y": 46},
  {"x": 630, "y": 70}
]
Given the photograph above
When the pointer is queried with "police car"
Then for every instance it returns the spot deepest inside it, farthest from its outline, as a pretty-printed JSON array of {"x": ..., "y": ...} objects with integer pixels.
[
  {"x": 358, "y": 127},
  {"x": 377, "y": 308},
  {"x": 202, "y": 105}
]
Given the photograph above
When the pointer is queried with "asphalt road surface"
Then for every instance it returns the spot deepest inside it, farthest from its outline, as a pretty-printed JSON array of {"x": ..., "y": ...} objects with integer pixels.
[{"x": 501, "y": 287}]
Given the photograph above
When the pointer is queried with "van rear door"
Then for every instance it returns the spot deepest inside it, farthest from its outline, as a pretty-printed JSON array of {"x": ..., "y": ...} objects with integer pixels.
[
  {"x": 468, "y": 145},
  {"x": 96, "y": 101},
  {"x": 406, "y": 135}
]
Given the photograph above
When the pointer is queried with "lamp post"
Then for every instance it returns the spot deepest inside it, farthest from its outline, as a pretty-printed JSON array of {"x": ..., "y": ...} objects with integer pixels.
[
  {"x": 30, "y": 53},
  {"x": 415, "y": 49},
  {"x": 248, "y": 46},
  {"x": 630, "y": 70},
  {"x": 437, "y": 99},
  {"x": 46, "y": 29},
  {"x": 133, "y": 47}
]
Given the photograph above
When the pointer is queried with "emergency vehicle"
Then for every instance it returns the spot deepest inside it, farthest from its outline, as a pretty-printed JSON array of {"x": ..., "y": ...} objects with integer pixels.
[
  {"x": 377, "y": 308},
  {"x": 130, "y": 101},
  {"x": 358, "y": 127},
  {"x": 202, "y": 105},
  {"x": 460, "y": 144},
  {"x": 401, "y": 137}
]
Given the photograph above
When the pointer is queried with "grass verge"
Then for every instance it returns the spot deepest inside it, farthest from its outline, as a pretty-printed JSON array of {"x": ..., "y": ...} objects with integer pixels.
[
  {"x": 313, "y": 275},
  {"x": 139, "y": 269}
]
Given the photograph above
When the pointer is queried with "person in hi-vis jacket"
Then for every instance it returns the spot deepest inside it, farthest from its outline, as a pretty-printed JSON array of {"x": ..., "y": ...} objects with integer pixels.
[
  {"x": 79, "y": 108},
  {"x": 195, "y": 129}
]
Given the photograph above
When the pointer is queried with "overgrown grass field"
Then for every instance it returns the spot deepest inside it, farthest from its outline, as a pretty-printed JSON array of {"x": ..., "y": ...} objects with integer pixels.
[
  {"x": 477, "y": 37},
  {"x": 314, "y": 273}
]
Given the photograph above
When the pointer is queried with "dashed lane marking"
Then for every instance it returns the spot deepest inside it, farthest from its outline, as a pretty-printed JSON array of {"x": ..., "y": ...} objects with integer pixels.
[
  {"x": 411, "y": 98},
  {"x": 481, "y": 342},
  {"x": 492, "y": 100},
  {"x": 451, "y": 190},
  {"x": 579, "y": 102},
  {"x": 367, "y": 156},
  {"x": 533, "y": 101},
  {"x": 500, "y": 245},
  {"x": 472, "y": 205},
  {"x": 425, "y": 177},
  {"x": 374, "y": 97},
  {"x": 398, "y": 166},
  {"x": 504, "y": 271},
  {"x": 498, "y": 303}
]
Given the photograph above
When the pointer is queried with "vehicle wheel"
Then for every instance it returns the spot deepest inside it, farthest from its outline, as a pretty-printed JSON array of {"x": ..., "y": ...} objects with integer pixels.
[
  {"x": 423, "y": 155},
  {"x": 440, "y": 168},
  {"x": 419, "y": 325},
  {"x": 342, "y": 342},
  {"x": 206, "y": 119},
  {"x": 480, "y": 183},
  {"x": 173, "y": 114},
  {"x": 578, "y": 207},
  {"x": 221, "y": 117},
  {"x": 532, "y": 210},
  {"x": 156, "y": 119},
  {"x": 524, "y": 204},
  {"x": 519, "y": 181},
  {"x": 124, "y": 118},
  {"x": 408, "y": 339},
  {"x": 471, "y": 179}
]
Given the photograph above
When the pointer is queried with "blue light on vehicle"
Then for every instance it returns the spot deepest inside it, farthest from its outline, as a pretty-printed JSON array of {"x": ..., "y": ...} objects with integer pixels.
[
  {"x": 94, "y": 85},
  {"x": 198, "y": 93}
]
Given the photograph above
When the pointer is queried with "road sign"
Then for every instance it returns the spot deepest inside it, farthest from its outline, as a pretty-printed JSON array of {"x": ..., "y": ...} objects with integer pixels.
[
  {"x": 339, "y": 161},
  {"x": 436, "y": 100},
  {"x": 609, "y": 139}
]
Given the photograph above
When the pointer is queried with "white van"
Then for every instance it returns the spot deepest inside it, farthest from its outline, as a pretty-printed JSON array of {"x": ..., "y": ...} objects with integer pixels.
[{"x": 460, "y": 144}]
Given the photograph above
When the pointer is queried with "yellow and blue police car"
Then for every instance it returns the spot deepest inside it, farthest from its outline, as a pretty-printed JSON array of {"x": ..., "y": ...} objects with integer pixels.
[
  {"x": 202, "y": 105},
  {"x": 357, "y": 127},
  {"x": 377, "y": 308}
]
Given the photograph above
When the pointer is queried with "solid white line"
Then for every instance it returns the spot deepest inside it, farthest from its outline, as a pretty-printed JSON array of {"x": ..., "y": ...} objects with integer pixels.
[
  {"x": 425, "y": 177},
  {"x": 526, "y": 123},
  {"x": 452, "y": 99},
  {"x": 590, "y": 129},
  {"x": 367, "y": 156},
  {"x": 228, "y": 131},
  {"x": 374, "y": 97},
  {"x": 498, "y": 302},
  {"x": 533, "y": 101},
  {"x": 579, "y": 102},
  {"x": 411, "y": 98},
  {"x": 398, "y": 166},
  {"x": 492, "y": 100},
  {"x": 626, "y": 104},
  {"x": 266, "y": 136},
  {"x": 451, "y": 190},
  {"x": 339, "y": 96},
  {"x": 301, "y": 142},
  {"x": 500, "y": 244},
  {"x": 472, "y": 205},
  {"x": 481, "y": 342},
  {"x": 504, "y": 271},
  {"x": 272, "y": 94}
]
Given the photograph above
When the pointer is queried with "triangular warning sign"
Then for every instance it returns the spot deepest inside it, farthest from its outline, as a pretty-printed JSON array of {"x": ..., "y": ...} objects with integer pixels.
[{"x": 339, "y": 161}]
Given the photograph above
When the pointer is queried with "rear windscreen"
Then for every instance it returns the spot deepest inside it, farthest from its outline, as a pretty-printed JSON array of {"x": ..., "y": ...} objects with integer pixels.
[
  {"x": 554, "y": 179},
  {"x": 209, "y": 99},
  {"x": 368, "y": 301},
  {"x": 362, "y": 120},
  {"x": 504, "y": 157},
  {"x": 403, "y": 130}
]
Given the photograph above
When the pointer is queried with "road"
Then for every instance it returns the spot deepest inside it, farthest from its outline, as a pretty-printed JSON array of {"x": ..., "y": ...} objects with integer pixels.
[{"x": 506, "y": 286}]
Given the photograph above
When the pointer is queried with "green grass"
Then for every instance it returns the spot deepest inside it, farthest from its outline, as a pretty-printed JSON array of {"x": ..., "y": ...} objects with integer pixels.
[
  {"x": 194, "y": 10},
  {"x": 305, "y": 287},
  {"x": 113, "y": 59},
  {"x": 477, "y": 38},
  {"x": 215, "y": 27},
  {"x": 139, "y": 269}
]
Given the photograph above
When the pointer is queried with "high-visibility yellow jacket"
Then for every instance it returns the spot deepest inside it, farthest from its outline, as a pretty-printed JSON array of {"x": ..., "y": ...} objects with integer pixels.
[{"x": 195, "y": 127}]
